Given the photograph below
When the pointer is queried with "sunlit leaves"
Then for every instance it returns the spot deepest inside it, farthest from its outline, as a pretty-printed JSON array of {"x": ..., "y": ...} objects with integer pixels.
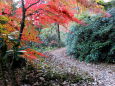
[{"x": 30, "y": 35}]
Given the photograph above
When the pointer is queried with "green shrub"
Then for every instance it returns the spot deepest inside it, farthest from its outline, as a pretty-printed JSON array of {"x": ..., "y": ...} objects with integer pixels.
[{"x": 95, "y": 42}]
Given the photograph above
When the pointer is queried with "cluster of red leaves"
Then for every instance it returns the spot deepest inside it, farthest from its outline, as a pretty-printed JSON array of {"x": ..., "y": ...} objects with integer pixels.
[
  {"x": 5, "y": 8},
  {"x": 59, "y": 11},
  {"x": 51, "y": 12},
  {"x": 32, "y": 54}
]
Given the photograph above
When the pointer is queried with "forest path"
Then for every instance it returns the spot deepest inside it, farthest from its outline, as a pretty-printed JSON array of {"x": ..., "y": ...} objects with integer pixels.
[{"x": 103, "y": 74}]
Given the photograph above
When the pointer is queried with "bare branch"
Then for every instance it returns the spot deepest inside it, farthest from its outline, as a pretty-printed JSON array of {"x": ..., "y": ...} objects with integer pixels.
[{"x": 32, "y": 4}]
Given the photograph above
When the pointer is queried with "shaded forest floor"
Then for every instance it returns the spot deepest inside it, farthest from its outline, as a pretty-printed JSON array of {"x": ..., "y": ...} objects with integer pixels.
[
  {"x": 102, "y": 73},
  {"x": 62, "y": 70}
]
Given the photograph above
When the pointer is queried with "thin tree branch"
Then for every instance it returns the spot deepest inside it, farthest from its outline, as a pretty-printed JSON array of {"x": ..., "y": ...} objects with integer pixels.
[{"x": 32, "y": 4}]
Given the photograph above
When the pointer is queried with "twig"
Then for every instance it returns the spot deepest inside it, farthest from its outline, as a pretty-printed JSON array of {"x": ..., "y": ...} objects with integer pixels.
[{"x": 32, "y": 4}]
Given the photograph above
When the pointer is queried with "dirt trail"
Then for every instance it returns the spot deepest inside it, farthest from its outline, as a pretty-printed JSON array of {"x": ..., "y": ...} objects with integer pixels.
[{"x": 103, "y": 74}]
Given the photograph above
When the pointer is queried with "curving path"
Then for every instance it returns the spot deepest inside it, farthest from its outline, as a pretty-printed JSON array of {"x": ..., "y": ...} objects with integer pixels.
[{"x": 103, "y": 74}]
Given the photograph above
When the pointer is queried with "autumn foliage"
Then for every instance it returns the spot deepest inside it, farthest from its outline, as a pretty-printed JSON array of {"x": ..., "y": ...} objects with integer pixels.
[{"x": 37, "y": 13}]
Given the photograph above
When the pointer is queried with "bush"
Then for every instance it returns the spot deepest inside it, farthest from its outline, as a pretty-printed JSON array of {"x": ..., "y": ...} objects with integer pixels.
[{"x": 95, "y": 42}]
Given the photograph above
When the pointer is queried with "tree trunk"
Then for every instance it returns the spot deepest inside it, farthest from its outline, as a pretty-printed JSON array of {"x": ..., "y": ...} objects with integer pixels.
[
  {"x": 58, "y": 34},
  {"x": 23, "y": 20}
]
